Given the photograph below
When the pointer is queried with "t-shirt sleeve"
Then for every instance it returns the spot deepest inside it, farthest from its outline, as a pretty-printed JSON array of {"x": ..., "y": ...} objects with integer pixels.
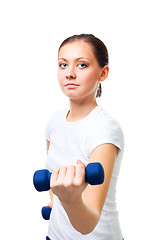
[
  {"x": 49, "y": 127},
  {"x": 108, "y": 131},
  {"x": 47, "y": 131}
]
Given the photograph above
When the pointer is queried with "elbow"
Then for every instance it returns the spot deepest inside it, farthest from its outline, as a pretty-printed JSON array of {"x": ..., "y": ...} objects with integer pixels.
[
  {"x": 87, "y": 231},
  {"x": 91, "y": 225}
]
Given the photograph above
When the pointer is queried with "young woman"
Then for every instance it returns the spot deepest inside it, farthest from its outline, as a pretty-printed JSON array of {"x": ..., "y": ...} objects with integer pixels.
[{"x": 82, "y": 134}]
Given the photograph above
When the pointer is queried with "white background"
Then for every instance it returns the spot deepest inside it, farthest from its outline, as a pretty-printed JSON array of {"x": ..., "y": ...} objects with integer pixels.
[{"x": 30, "y": 34}]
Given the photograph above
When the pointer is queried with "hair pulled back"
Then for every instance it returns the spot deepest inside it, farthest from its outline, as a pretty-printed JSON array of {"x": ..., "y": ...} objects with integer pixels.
[{"x": 99, "y": 50}]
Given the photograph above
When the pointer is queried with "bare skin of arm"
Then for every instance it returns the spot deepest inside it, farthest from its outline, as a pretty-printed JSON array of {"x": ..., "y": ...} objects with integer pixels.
[{"x": 50, "y": 204}]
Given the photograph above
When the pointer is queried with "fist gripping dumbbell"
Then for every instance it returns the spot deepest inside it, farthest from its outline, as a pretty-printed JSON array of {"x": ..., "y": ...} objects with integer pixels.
[{"x": 94, "y": 175}]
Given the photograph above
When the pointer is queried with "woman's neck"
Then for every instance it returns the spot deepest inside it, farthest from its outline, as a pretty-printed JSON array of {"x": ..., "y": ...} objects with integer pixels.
[{"x": 79, "y": 110}]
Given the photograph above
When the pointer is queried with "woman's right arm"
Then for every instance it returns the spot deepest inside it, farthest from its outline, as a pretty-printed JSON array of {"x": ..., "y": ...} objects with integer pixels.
[
  {"x": 50, "y": 192},
  {"x": 47, "y": 145}
]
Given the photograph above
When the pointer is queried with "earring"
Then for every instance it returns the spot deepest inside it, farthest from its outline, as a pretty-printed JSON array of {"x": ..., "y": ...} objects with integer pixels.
[{"x": 99, "y": 90}]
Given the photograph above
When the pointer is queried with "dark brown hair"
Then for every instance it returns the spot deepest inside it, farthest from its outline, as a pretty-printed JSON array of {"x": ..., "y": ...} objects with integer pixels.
[{"x": 99, "y": 50}]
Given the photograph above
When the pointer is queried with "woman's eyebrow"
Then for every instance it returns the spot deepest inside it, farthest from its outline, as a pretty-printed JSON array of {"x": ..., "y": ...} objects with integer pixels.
[
  {"x": 83, "y": 58},
  {"x": 76, "y": 59},
  {"x": 62, "y": 59}
]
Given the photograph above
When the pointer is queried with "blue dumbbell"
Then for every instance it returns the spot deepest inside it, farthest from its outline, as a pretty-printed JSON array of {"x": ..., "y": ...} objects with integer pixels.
[
  {"x": 94, "y": 175},
  {"x": 46, "y": 211}
]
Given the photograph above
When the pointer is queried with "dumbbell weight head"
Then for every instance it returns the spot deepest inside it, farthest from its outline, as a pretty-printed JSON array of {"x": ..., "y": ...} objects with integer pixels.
[
  {"x": 41, "y": 180},
  {"x": 46, "y": 211}
]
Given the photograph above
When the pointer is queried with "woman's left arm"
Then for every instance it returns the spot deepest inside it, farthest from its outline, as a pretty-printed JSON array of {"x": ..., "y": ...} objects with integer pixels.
[
  {"x": 95, "y": 196},
  {"x": 84, "y": 213}
]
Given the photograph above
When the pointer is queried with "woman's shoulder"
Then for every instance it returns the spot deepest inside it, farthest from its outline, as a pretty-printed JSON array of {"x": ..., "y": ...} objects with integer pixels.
[
  {"x": 105, "y": 118},
  {"x": 57, "y": 114},
  {"x": 105, "y": 128}
]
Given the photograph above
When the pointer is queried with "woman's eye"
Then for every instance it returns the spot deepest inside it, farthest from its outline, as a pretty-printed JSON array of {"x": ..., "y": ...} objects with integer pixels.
[
  {"x": 82, "y": 65},
  {"x": 63, "y": 65}
]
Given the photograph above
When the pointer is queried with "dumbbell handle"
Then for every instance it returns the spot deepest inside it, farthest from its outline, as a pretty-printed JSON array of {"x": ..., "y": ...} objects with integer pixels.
[{"x": 94, "y": 175}]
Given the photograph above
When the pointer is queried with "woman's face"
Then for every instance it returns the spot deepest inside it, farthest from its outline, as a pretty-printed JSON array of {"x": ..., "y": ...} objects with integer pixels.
[{"x": 78, "y": 71}]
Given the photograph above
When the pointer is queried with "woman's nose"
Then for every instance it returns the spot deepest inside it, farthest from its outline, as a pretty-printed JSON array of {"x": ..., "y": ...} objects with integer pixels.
[{"x": 70, "y": 74}]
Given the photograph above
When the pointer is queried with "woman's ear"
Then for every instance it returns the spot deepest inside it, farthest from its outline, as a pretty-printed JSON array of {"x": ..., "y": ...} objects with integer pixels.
[{"x": 104, "y": 74}]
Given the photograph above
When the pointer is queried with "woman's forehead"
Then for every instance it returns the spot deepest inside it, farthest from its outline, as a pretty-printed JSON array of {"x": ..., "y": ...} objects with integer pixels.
[{"x": 76, "y": 49}]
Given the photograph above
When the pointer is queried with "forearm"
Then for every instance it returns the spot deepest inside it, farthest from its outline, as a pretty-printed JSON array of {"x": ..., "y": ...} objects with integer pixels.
[{"x": 82, "y": 217}]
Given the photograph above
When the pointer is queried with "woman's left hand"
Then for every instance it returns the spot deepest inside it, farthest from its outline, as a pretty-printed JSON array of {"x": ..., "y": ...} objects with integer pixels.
[{"x": 68, "y": 183}]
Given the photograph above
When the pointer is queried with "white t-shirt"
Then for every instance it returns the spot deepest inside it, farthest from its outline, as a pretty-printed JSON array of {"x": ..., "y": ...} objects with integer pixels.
[{"x": 70, "y": 141}]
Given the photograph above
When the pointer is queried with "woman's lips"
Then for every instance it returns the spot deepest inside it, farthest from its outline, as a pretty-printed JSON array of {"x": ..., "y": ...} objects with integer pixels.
[{"x": 71, "y": 85}]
